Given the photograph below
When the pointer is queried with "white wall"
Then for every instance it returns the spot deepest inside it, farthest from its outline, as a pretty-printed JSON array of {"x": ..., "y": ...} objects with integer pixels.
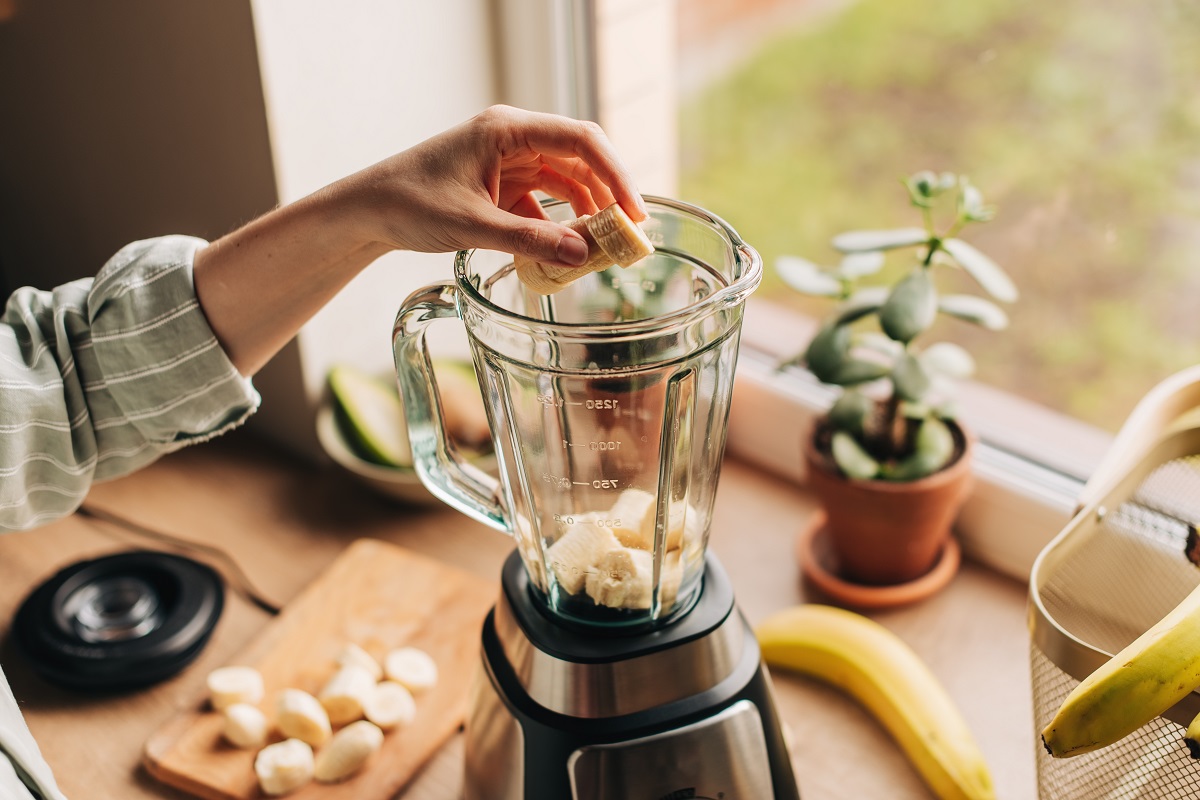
[{"x": 346, "y": 85}]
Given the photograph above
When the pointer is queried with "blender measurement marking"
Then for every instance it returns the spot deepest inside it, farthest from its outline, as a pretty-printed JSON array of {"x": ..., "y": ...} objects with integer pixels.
[
  {"x": 596, "y": 446},
  {"x": 551, "y": 401},
  {"x": 567, "y": 483}
]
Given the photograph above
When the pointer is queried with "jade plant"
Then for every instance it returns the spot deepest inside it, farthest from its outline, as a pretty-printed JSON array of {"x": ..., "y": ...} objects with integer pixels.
[{"x": 889, "y": 422}]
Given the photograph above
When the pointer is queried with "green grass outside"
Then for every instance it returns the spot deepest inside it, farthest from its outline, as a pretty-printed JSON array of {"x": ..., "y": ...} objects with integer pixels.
[{"x": 1080, "y": 120}]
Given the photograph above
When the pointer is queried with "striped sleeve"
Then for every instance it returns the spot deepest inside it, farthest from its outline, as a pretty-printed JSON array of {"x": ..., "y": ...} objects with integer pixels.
[{"x": 101, "y": 376}]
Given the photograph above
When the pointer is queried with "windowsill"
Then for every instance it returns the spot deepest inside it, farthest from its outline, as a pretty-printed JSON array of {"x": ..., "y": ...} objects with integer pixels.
[{"x": 1030, "y": 466}]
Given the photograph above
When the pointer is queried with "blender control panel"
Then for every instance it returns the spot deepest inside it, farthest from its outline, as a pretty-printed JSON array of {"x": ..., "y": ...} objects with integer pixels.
[{"x": 723, "y": 757}]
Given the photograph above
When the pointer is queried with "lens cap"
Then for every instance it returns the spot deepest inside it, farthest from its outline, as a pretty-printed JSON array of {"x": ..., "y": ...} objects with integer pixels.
[{"x": 120, "y": 622}]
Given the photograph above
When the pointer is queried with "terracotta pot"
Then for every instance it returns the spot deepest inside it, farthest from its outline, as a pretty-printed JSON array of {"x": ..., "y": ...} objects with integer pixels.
[{"x": 886, "y": 532}]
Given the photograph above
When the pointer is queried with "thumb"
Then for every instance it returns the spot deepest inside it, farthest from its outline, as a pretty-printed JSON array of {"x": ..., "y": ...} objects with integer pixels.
[{"x": 538, "y": 239}]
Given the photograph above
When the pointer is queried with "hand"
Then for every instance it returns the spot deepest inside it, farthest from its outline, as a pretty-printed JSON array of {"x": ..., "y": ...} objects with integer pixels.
[{"x": 472, "y": 186}]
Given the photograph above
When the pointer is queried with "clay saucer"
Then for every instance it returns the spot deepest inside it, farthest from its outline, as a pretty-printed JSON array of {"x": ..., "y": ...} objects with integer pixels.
[{"x": 819, "y": 566}]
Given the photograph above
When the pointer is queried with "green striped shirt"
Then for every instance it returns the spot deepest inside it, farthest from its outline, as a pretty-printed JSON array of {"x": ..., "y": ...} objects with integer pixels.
[{"x": 98, "y": 378}]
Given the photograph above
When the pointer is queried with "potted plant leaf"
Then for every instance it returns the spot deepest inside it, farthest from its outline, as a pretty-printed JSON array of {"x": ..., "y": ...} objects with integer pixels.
[{"x": 889, "y": 462}]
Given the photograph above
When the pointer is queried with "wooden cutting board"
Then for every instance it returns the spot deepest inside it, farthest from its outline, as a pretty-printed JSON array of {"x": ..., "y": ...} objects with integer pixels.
[{"x": 378, "y": 596}]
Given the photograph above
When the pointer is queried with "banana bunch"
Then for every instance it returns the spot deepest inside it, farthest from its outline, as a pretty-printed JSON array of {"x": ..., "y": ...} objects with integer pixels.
[
  {"x": 1157, "y": 670},
  {"x": 874, "y": 666},
  {"x": 612, "y": 238}
]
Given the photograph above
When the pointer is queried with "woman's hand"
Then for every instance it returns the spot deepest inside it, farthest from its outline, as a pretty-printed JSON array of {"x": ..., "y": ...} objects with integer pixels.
[
  {"x": 472, "y": 186},
  {"x": 468, "y": 187}
]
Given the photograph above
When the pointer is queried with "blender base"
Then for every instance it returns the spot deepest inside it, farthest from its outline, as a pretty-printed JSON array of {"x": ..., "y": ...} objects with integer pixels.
[{"x": 685, "y": 711}]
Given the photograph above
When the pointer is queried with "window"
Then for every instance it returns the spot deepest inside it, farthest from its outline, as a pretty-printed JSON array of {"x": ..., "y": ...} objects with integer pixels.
[{"x": 1078, "y": 120}]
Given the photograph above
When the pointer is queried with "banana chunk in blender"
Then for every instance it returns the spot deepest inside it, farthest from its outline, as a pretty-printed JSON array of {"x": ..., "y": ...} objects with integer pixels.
[
  {"x": 624, "y": 578},
  {"x": 573, "y": 556},
  {"x": 634, "y": 513}
]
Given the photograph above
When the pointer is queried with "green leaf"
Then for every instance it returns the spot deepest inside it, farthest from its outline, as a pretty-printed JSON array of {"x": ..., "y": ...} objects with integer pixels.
[
  {"x": 805, "y": 276},
  {"x": 863, "y": 241},
  {"x": 856, "y": 370},
  {"x": 827, "y": 351},
  {"x": 910, "y": 379},
  {"x": 947, "y": 358},
  {"x": 860, "y": 304},
  {"x": 859, "y": 265},
  {"x": 911, "y": 307},
  {"x": 986, "y": 272},
  {"x": 876, "y": 342},
  {"x": 852, "y": 459},
  {"x": 850, "y": 412},
  {"x": 934, "y": 449},
  {"x": 977, "y": 310}
]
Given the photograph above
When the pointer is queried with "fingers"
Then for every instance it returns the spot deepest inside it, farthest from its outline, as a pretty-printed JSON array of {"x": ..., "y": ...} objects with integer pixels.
[
  {"x": 528, "y": 206},
  {"x": 568, "y": 139},
  {"x": 523, "y": 234},
  {"x": 580, "y": 173},
  {"x": 552, "y": 183}
]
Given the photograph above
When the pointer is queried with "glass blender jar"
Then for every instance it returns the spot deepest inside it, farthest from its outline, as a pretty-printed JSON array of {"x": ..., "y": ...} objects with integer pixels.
[{"x": 608, "y": 403}]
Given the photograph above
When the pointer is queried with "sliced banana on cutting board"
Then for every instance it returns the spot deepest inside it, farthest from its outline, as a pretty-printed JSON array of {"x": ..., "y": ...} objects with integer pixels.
[
  {"x": 230, "y": 685},
  {"x": 347, "y": 751},
  {"x": 299, "y": 715},
  {"x": 411, "y": 668},
  {"x": 284, "y": 766}
]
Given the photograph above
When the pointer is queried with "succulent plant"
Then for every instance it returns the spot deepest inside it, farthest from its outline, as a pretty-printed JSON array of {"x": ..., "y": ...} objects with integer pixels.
[{"x": 899, "y": 434}]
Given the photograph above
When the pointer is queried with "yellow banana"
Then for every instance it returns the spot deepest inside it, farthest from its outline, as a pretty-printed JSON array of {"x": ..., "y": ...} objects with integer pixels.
[
  {"x": 874, "y": 666},
  {"x": 1192, "y": 737},
  {"x": 1157, "y": 670}
]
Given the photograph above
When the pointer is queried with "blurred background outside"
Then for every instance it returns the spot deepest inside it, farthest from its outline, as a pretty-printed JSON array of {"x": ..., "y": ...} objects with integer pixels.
[{"x": 1079, "y": 120}]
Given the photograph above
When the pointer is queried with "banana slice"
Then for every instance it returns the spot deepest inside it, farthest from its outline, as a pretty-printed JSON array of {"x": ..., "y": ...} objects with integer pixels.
[
  {"x": 346, "y": 693},
  {"x": 284, "y": 766},
  {"x": 229, "y": 685},
  {"x": 245, "y": 725},
  {"x": 619, "y": 236},
  {"x": 624, "y": 578},
  {"x": 347, "y": 751},
  {"x": 412, "y": 668},
  {"x": 612, "y": 238},
  {"x": 390, "y": 705},
  {"x": 575, "y": 555},
  {"x": 352, "y": 655},
  {"x": 635, "y": 514},
  {"x": 299, "y": 715}
]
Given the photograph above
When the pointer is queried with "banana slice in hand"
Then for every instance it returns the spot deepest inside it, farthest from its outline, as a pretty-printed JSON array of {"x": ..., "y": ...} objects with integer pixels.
[
  {"x": 245, "y": 726},
  {"x": 299, "y": 715},
  {"x": 612, "y": 238},
  {"x": 284, "y": 766},
  {"x": 229, "y": 685},
  {"x": 411, "y": 668},
  {"x": 347, "y": 751}
]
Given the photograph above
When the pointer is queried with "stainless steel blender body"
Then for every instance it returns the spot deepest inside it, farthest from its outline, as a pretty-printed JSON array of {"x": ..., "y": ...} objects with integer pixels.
[{"x": 608, "y": 404}]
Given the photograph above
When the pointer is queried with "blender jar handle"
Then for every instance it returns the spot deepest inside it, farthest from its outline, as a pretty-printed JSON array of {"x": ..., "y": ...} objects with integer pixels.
[{"x": 445, "y": 473}]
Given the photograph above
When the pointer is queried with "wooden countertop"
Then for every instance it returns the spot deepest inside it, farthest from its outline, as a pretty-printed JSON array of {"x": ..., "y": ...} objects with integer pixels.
[{"x": 258, "y": 506}]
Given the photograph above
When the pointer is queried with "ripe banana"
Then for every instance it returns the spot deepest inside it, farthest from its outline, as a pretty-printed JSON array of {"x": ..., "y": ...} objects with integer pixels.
[
  {"x": 413, "y": 669},
  {"x": 612, "y": 238},
  {"x": 1157, "y": 670},
  {"x": 347, "y": 751},
  {"x": 573, "y": 557},
  {"x": 245, "y": 725},
  {"x": 391, "y": 704},
  {"x": 879, "y": 670},
  {"x": 229, "y": 685},
  {"x": 353, "y": 655},
  {"x": 284, "y": 766},
  {"x": 299, "y": 715},
  {"x": 345, "y": 694},
  {"x": 1191, "y": 737}
]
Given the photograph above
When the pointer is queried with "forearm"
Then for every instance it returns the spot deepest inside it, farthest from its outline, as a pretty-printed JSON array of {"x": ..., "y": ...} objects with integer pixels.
[{"x": 261, "y": 283}]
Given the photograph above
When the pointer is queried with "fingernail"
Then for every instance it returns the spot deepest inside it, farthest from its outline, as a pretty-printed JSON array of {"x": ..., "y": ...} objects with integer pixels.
[{"x": 572, "y": 250}]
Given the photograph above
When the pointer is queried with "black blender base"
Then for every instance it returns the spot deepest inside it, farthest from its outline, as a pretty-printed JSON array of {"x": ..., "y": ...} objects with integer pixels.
[{"x": 723, "y": 742}]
